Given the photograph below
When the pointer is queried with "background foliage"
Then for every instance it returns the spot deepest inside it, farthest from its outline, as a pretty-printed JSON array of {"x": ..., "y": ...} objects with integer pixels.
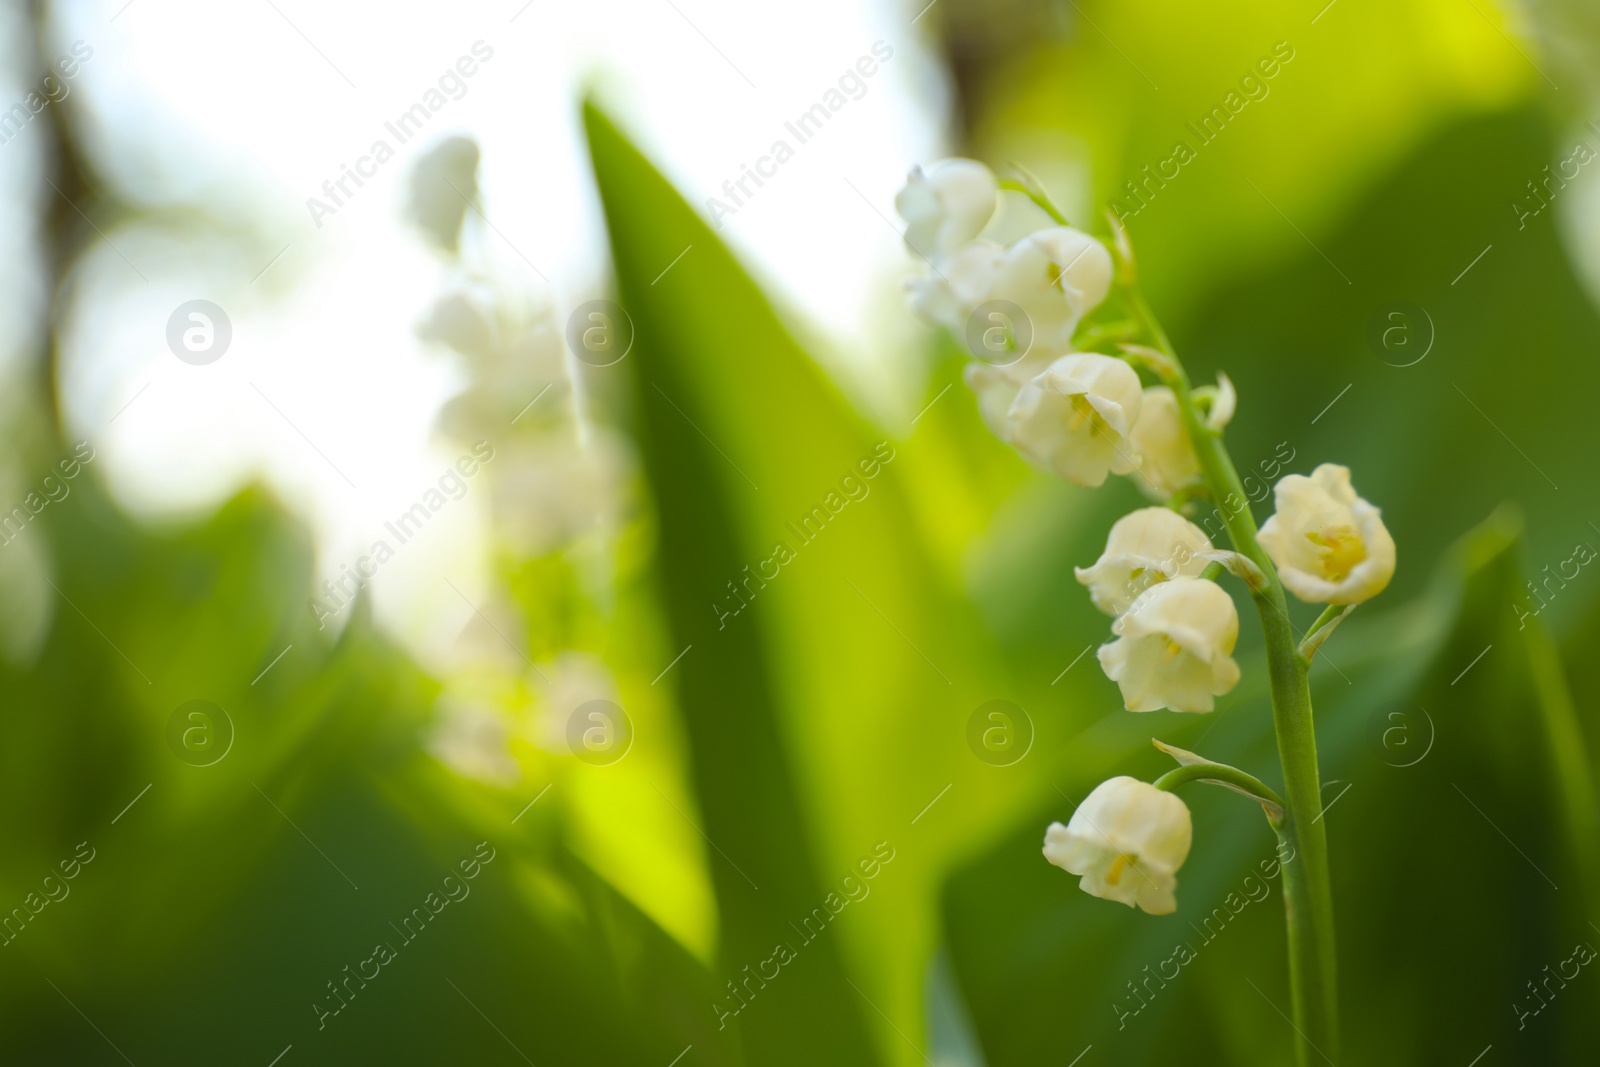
[{"x": 829, "y": 716}]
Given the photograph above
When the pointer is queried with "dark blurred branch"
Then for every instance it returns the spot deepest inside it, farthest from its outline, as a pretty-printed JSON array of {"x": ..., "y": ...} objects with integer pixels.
[{"x": 63, "y": 231}]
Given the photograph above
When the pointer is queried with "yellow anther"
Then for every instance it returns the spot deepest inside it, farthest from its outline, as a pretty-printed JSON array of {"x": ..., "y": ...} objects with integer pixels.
[{"x": 1342, "y": 549}]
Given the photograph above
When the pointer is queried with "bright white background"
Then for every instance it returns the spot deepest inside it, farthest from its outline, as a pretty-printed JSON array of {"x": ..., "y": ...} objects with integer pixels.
[{"x": 231, "y": 115}]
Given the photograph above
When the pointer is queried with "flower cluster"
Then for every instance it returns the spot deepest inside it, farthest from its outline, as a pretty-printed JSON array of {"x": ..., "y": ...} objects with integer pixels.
[{"x": 1086, "y": 415}]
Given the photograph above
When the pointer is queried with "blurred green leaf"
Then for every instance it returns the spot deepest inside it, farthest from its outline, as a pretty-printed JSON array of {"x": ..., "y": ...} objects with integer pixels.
[{"x": 221, "y": 900}]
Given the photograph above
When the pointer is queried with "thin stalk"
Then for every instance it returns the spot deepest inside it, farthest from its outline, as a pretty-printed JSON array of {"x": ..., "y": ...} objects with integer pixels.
[
  {"x": 1217, "y": 772},
  {"x": 1308, "y": 897},
  {"x": 1033, "y": 192}
]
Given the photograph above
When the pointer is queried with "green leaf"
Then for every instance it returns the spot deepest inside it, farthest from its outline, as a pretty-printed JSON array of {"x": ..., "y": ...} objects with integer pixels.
[
  {"x": 1467, "y": 810},
  {"x": 238, "y": 890},
  {"x": 728, "y": 409}
]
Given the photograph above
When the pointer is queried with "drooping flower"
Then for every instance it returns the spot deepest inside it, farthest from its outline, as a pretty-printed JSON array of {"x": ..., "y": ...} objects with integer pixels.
[
  {"x": 1126, "y": 842},
  {"x": 946, "y": 205},
  {"x": 997, "y": 387},
  {"x": 1174, "y": 647},
  {"x": 1145, "y": 547},
  {"x": 1056, "y": 276},
  {"x": 1073, "y": 418},
  {"x": 1167, "y": 461},
  {"x": 1330, "y": 546},
  {"x": 961, "y": 282}
]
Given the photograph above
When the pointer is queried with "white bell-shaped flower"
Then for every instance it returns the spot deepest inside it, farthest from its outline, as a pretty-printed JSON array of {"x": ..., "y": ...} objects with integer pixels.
[
  {"x": 946, "y": 205},
  {"x": 1167, "y": 461},
  {"x": 1330, "y": 546},
  {"x": 1073, "y": 418},
  {"x": 1174, "y": 647},
  {"x": 1055, "y": 276},
  {"x": 960, "y": 283},
  {"x": 1145, "y": 547},
  {"x": 1126, "y": 842},
  {"x": 997, "y": 387}
]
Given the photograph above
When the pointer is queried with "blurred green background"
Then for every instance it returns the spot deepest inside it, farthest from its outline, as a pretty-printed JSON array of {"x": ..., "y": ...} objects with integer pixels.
[{"x": 824, "y": 726}]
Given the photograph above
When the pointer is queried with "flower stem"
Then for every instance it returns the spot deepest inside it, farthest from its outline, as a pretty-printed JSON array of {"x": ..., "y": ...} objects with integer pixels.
[
  {"x": 1217, "y": 772},
  {"x": 1030, "y": 188},
  {"x": 1308, "y": 897}
]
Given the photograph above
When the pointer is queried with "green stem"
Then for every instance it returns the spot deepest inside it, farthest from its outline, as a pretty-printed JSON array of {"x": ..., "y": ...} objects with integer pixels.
[
  {"x": 1216, "y": 772},
  {"x": 1331, "y": 612},
  {"x": 1038, "y": 196},
  {"x": 1308, "y": 897}
]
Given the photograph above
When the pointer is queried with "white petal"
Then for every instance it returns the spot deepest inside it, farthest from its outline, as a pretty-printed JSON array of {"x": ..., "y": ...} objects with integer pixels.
[
  {"x": 1329, "y": 545},
  {"x": 1144, "y": 547},
  {"x": 946, "y": 205},
  {"x": 1126, "y": 841},
  {"x": 1174, "y": 647}
]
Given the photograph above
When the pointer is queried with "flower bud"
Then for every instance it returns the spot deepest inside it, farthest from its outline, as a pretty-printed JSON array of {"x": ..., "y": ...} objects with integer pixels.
[
  {"x": 1174, "y": 647},
  {"x": 1167, "y": 461},
  {"x": 1329, "y": 545},
  {"x": 1148, "y": 546},
  {"x": 1126, "y": 842}
]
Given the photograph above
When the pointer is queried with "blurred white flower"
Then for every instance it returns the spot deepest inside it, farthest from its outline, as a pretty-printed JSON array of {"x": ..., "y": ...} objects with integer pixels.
[
  {"x": 1167, "y": 461},
  {"x": 1126, "y": 842},
  {"x": 510, "y": 357},
  {"x": 1056, "y": 276},
  {"x": 444, "y": 183},
  {"x": 462, "y": 318},
  {"x": 1330, "y": 546},
  {"x": 1145, "y": 547},
  {"x": 946, "y": 205},
  {"x": 474, "y": 741},
  {"x": 948, "y": 297},
  {"x": 550, "y": 489},
  {"x": 997, "y": 388},
  {"x": 1174, "y": 647},
  {"x": 1073, "y": 418},
  {"x": 565, "y": 684}
]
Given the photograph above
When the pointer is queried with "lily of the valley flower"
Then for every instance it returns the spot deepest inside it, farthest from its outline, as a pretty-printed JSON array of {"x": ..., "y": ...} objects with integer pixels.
[
  {"x": 946, "y": 205},
  {"x": 997, "y": 387},
  {"x": 1167, "y": 461},
  {"x": 1145, "y": 547},
  {"x": 1056, "y": 276},
  {"x": 1073, "y": 419},
  {"x": 1330, "y": 546},
  {"x": 1126, "y": 841},
  {"x": 962, "y": 282},
  {"x": 1174, "y": 647}
]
